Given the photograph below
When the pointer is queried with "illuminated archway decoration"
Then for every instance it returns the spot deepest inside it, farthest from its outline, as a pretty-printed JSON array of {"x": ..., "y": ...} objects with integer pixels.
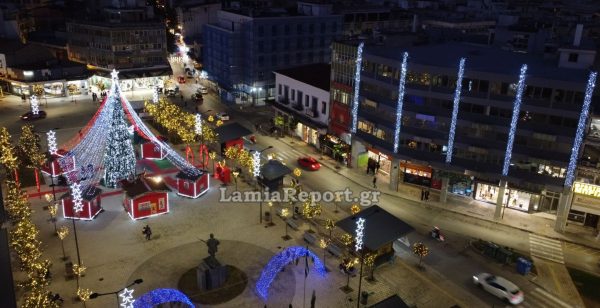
[
  {"x": 280, "y": 260},
  {"x": 161, "y": 296}
]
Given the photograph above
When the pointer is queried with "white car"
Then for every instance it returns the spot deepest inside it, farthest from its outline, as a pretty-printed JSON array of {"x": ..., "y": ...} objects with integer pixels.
[
  {"x": 499, "y": 287},
  {"x": 223, "y": 116},
  {"x": 203, "y": 90}
]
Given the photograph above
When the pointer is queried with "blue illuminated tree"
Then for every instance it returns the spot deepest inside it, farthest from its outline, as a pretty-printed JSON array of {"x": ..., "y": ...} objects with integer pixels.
[{"x": 119, "y": 157}]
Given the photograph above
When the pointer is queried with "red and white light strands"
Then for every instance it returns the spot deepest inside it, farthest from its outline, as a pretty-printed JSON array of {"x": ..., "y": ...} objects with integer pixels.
[
  {"x": 35, "y": 105},
  {"x": 127, "y": 298},
  {"x": 52, "y": 147},
  {"x": 77, "y": 199}
]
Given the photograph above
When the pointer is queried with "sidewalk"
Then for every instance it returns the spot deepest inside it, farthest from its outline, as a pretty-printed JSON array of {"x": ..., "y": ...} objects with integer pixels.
[{"x": 533, "y": 223}]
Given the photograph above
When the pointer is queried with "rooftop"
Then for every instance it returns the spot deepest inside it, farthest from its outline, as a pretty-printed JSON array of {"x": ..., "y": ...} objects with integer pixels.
[
  {"x": 481, "y": 59},
  {"x": 231, "y": 131},
  {"x": 316, "y": 75},
  {"x": 380, "y": 227}
]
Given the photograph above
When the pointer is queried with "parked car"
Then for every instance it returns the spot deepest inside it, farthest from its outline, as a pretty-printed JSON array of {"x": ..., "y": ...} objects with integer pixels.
[
  {"x": 309, "y": 163},
  {"x": 171, "y": 93},
  {"x": 181, "y": 79},
  {"x": 29, "y": 116},
  {"x": 499, "y": 287},
  {"x": 222, "y": 116},
  {"x": 198, "y": 98},
  {"x": 203, "y": 90}
]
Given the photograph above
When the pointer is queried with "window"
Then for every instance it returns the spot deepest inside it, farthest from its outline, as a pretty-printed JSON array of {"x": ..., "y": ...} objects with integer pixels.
[
  {"x": 299, "y": 28},
  {"x": 273, "y": 45},
  {"x": 261, "y": 31},
  {"x": 573, "y": 57},
  {"x": 315, "y": 101},
  {"x": 293, "y": 93},
  {"x": 323, "y": 107},
  {"x": 299, "y": 97},
  {"x": 306, "y": 100},
  {"x": 286, "y": 29},
  {"x": 365, "y": 126},
  {"x": 274, "y": 30},
  {"x": 279, "y": 89}
]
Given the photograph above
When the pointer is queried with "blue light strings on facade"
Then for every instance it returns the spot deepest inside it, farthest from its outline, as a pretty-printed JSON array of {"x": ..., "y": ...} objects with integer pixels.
[
  {"x": 280, "y": 260},
  {"x": 400, "y": 101},
  {"x": 358, "y": 68},
  {"x": 513, "y": 121},
  {"x": 457, "y": 92},
  {"x": 585, "y": 109}
]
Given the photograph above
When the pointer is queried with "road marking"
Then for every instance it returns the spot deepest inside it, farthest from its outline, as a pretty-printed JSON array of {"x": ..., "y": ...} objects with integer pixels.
[
  {"x": 546, "y": 299},
  {"x": 546, "y": 248}
]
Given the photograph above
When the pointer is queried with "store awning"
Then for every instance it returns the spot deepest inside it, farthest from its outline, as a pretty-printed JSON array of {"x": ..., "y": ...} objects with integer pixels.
[
  {"x": 380, "y": 227},
  {"x": 304, "y": 119},
  {"x": 273, "y": 170}
]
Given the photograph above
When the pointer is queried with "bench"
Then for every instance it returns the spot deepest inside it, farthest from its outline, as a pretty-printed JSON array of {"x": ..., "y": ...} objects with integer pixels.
[
  {"x": 292, "y": 224},
  {"x": 334, "y": 250},
  {"x": 310, "y": 238}
]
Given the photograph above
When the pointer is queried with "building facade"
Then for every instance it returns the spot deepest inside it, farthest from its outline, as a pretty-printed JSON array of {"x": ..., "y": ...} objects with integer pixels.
[
  {"x": 302, "y": 101},
  {"x": 543, "y": 134},
  {"x": 245, "y": 46}
]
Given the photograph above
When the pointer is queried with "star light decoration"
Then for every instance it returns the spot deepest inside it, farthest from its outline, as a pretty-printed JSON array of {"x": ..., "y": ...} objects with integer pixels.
[
  {"x": 256, "y": 164},
  {"x": 131, "y": 129},
  {"x": 198, "y": 124},
  {"x": 360, "y": 228},
  {"x": 77, "y": 199},
  {"x": 114, "y": 74},
  {"x": 155, "y": 95},
  {"x": 127, "y": 298},
  {"x": 52, "y": 148},
  {"x": 35, "y": 106}
]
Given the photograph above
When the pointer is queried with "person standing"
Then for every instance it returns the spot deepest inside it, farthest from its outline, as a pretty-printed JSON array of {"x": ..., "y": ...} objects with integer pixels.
[
  {"x": 422, "y": 194},
  {"x": 147, "y": 232}
]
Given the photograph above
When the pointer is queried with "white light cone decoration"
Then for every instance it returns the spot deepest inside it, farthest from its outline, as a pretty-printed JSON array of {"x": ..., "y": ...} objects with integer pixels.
[{"x": 77, "y": 199}]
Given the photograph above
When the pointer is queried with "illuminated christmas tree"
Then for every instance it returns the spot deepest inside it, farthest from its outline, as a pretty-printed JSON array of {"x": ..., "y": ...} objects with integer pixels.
[{"x": 119, "y": 158}]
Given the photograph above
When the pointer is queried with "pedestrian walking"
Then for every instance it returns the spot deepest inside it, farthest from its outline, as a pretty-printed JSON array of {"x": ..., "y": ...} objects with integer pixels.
[
  {"x": 375, "y": 182},
  {"x": 422, "y": 194},
  {"x": 147, "y": 232}
]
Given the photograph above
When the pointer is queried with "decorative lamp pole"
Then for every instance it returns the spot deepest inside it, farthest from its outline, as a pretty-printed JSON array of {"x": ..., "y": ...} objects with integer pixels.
[
  {"x": 235, "y": 173},
  {"x": 285, "y": 213},
  {"x": 124, "y": 296},
  {"x": 256, "y": 172}
]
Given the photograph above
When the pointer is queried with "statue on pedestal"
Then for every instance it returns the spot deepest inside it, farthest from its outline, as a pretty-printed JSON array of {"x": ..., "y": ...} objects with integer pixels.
[{"x": 212, "y": 243}]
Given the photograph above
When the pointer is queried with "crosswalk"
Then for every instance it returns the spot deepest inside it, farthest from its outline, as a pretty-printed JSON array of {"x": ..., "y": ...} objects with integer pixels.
[
  {"x": 539, "y": 298},
  {"x": 546, "y": 248},
  {"x": 286, "y": 155}
]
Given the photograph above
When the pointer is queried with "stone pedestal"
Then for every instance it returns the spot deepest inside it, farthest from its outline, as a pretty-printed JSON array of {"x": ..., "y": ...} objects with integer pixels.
[{"x": 210, "y": 274}]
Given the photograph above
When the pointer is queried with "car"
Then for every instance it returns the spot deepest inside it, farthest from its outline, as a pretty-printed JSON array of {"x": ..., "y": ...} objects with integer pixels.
[
  {"x": 223, "y": 116},
  {"x": 309, "y": 163},
  {"x": 29, "y": 116},
  {"x": 171, "y": 93},
  {"x": 499, "y": 287},
  {"x": 181, "y": 79},
  {"x": 203, "y": 90}
]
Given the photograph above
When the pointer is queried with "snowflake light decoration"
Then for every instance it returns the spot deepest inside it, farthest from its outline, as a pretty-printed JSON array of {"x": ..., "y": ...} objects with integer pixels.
[
  {"x": 360, "y": 228},
  {"x": 198, "y": 124},
  {"x": 256, "y": 164},
  {"x": 114, "y": 74},
  {"x": 155, "y": 95}
]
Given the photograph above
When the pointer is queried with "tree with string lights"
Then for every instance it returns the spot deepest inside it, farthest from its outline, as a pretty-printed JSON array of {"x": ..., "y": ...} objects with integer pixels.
[
  {"x": 28, "y": 148},
  {"x": 8, "y": 157},
  {"x": 119, "y": 158}
]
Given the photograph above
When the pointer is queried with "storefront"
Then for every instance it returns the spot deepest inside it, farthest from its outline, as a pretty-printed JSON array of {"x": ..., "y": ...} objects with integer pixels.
[
  {"x": 585, "y": 207},
  {"x": 307, "y": 134},
  {"x": 376, "y": 157},
  {"x": 416, "y": 174},
  {"x": 335, "y": 147},
  {"x": 99, "y": 83},
  {"x": 513, "y": 198},
  {"x": 459, "y": 184}
]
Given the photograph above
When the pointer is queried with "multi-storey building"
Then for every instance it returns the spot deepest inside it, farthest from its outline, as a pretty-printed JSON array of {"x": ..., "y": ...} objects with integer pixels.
[
  {"x": 246, "y": 45},
  {"x": 302, "y": 102},
  {"x": 544, "y": 132},
  {"x": 126, "y": 38}
]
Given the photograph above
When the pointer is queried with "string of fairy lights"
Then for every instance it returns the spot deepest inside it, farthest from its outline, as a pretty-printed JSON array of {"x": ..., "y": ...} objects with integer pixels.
[
  {"x": 400, "y": 102},
  {"x": 455, "y": 105},
  {"x": 514, "y": 119}
]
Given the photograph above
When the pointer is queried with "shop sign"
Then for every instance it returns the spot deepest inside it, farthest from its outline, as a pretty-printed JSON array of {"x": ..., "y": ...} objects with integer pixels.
[
  {"x": 586, "y": 204},
  {"x": 587, "y": 189}
]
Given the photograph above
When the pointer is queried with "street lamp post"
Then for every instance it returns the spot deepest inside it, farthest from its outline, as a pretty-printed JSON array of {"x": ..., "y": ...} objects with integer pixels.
[
  {"x": 285, "y": 213},
  {"x": 256, "y": 171},
  {"x": 116, "y": 293}
]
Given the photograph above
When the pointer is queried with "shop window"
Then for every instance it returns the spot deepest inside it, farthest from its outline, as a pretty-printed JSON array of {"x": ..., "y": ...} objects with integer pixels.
[{"x": 576, "y": 216}]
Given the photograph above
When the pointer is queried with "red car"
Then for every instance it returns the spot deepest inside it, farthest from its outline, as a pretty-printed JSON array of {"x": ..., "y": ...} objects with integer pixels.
[{"x": 309, "y": 163}]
